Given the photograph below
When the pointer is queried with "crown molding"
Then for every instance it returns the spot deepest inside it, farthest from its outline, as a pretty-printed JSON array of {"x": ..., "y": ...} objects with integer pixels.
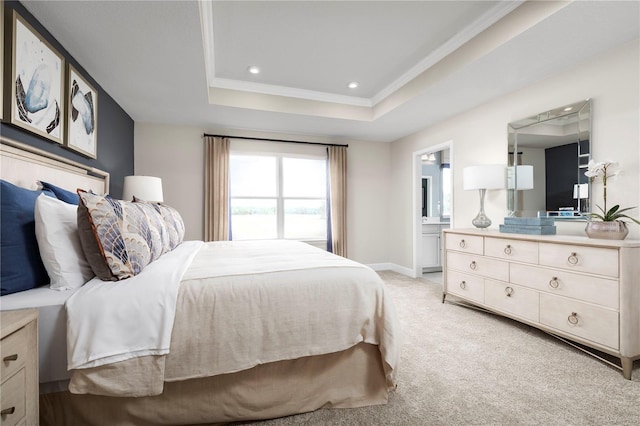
[
  {"x": 489, "y": 18},
  {"x": 289, "y": 92},
  {"x": 482, "y": 23}
]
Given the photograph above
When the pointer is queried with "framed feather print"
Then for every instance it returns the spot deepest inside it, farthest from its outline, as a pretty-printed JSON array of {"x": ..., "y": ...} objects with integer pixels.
[
  {"x": 82, "y": 115},
  {"x": 37, "y": 82}
]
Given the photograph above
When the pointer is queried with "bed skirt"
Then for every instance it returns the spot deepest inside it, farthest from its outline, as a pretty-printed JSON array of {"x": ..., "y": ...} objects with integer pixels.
[{"x": 347, "y": 379}]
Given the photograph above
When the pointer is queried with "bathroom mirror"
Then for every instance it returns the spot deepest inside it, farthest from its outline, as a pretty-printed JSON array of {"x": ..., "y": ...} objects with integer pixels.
[
  {"x": 548, "y": 154},
  {"x": 436, "y": 186}
]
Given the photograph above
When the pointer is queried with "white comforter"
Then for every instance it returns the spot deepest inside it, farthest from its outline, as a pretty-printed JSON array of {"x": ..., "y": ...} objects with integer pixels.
[
  {"x": 111, "y": 321},
  {"x": 240, "y": 304}
]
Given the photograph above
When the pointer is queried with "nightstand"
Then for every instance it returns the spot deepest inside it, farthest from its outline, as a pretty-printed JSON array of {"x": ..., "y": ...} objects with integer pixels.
[{"x": 19, "y": 367}]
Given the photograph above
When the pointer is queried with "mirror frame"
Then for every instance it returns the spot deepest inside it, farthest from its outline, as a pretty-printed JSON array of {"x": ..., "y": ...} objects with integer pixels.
[{"x": 581, "y": 111}]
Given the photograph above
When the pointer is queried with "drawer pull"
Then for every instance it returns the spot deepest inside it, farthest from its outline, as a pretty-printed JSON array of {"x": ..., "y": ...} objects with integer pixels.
[
  {"x": 553, "y": 282},
  {"x": 507, "y": 250},
  {"x": 473, "y": 265},
  {"x": 8, "y": 411},
  {"x": 463, "y": 244},
  {"x": 573, "y": 259},
  {"x": 573, "y": 318},
  {"x": 463, "y": 285},
  {"x": 509, "y": 291},
  {"x": 13, "y": 357}
]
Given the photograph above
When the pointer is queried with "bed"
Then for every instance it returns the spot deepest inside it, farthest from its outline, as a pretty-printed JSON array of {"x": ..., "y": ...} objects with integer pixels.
[{"x": 203, "y": 332}]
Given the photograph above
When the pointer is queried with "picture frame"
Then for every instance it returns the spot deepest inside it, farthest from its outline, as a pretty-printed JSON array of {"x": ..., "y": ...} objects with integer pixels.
[
  {"x": 82, "y": 114},
  {"x": 37, "y": 82}
]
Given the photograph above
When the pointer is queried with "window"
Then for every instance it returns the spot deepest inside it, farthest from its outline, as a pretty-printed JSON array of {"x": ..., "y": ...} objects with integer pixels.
[{"x": 278, "y": 196}]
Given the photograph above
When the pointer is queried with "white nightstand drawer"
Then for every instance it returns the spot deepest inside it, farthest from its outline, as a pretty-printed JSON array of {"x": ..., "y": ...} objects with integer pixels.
[
  {"x": 513, "y": 299},
  {"x": 466, "y": 286},
  {"x": 19, "y": 367},
  {"x": 601, "y": 291},
  {"x": 594, "y": 323},
  {"x": 478, "y": 265},
  {"x": 593, "y": 260},
  {"x": 13, "y": 399},
  {"x": 465, "y": 243},
  {"x": 13, "y": 352},
  {"x": 521, "y": 251}
]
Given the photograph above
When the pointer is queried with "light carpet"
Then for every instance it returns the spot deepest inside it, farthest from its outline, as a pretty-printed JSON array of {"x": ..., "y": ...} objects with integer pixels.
[{"x": 460, "y": 366}]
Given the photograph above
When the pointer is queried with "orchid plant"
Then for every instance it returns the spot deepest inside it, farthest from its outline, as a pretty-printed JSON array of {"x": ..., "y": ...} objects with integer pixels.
[{"x": 605, "y": 170}]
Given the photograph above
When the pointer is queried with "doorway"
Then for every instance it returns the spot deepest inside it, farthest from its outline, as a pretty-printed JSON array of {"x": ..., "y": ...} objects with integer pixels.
[{"x": 433, "y": 195}]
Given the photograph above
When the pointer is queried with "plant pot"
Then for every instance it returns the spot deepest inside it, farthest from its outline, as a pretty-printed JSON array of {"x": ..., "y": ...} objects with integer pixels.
[{"x": 614, "y": 230}]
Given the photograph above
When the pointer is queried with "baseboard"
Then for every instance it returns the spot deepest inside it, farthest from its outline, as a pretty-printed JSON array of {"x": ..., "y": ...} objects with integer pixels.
[{"x": 392, "y": 267}]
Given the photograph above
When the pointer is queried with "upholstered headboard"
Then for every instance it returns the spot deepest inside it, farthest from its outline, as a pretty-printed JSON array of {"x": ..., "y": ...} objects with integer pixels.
[{"x": 24, "y": 166}]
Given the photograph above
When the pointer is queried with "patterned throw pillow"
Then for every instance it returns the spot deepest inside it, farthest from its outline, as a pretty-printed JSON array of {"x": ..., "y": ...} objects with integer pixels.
[
  {"x": 172, "y": 219},
  {"x": 174, "y": 223},
  {"x": 127, "y": 235}
]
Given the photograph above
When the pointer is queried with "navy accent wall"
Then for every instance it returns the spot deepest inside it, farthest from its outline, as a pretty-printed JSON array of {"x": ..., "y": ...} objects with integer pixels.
[{"x": 115, "y": 127}]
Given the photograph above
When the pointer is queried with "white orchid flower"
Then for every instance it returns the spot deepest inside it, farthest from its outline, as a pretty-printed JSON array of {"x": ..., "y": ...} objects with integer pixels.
[{"x": 606, "y": 170}]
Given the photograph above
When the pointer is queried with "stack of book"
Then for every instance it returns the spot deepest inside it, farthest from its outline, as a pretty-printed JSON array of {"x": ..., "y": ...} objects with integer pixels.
[{"x": 529, "y": 225}]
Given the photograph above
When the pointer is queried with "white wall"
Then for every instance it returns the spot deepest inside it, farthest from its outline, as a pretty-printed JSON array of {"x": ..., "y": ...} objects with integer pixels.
[
  {"x": 176, "y": 154},
  {"x": 480, "y": 137}
]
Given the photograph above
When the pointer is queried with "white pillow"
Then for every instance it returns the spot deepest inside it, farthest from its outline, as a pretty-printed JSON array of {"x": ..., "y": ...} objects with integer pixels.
[{"x": 59, "y": 243}]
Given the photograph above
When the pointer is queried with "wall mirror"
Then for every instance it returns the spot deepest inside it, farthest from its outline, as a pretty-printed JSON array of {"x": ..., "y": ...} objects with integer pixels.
[{"x": 548, "y": 155}]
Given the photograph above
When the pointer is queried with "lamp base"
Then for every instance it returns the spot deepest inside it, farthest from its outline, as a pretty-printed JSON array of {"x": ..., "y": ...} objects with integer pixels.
[{"x": 481, "y": 221}]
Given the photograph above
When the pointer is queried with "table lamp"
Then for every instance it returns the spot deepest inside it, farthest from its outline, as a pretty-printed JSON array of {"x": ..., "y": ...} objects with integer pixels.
[
  {"x": 483, "y": 177},
  {"x": 147, "y": 188}
]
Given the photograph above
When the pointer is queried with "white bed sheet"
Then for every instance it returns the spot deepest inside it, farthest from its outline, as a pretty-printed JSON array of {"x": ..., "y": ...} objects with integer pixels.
[{"x": 52, "y": 328}]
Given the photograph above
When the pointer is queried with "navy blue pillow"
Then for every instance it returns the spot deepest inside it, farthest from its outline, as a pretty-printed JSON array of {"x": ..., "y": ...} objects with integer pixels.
[
  {"x": 62, "y": 194},
  {"x": 20, "y": 265}
]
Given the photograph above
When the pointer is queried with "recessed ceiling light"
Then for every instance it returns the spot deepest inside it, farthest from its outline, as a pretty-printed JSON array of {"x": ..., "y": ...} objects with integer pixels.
[
  {"x": 353, "y": 85},
  {"x": 253, "y": 69}
]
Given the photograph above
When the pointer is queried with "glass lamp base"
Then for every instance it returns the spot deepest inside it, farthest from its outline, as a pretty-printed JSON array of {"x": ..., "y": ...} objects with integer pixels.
[{"x": 481, "y": 221}]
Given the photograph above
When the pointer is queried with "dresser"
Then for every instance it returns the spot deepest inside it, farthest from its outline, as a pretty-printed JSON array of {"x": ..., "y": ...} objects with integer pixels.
[
  {"x": 19, "y": 368},
  {"x": 580, "y": 289}
]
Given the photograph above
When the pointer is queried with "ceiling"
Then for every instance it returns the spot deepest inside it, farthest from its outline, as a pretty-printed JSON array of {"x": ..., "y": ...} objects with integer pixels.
[{"x": 416, "y": 62}]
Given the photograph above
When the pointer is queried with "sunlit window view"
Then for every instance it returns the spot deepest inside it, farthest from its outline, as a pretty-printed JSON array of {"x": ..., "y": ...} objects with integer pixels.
[{"x": 273, "y": 196}]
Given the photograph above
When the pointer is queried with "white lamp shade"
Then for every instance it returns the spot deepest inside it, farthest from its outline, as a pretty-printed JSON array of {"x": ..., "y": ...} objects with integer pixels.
[
  {"x": 524, "y": 175},
  {"x": 146, "y": 188},
  {"x": 489, "y": 176}
]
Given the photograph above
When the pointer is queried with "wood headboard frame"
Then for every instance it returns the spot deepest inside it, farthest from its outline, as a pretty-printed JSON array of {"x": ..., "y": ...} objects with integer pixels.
[{"x": 24, "y": 165}]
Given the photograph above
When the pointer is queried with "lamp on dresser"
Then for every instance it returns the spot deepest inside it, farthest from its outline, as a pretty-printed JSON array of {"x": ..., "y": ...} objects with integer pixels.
[
  {"x": 147, "y": 188},
  {"x": 483, "y": 177}
]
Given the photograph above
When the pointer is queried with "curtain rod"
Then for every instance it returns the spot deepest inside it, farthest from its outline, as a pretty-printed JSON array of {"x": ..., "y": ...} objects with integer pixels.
[{"x": 275, "y": 140}]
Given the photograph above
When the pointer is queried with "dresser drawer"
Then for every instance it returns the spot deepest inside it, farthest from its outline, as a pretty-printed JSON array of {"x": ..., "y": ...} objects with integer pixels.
[
  {"x": 521, "y": 251},
  {"x": 478, "y": 265},
  {"x": 601, "y": 291},
  {"x": 592, "y": 260},
  {"x": 13, "y": 352},
  {"x": 594, "y": 323},
  {"x": 513, "y": 299},
  {"x": 464, "y": 243},
  {"x": 14, "y": 399},
  {"x": 466, "y": 286}
]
